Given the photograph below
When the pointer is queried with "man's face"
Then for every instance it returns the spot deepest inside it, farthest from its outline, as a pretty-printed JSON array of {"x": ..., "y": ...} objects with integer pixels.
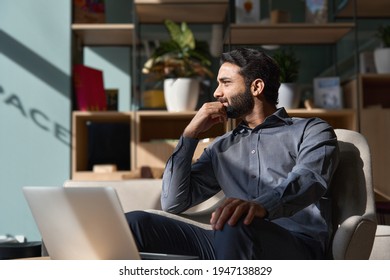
[{"x": 232, "y": 92}]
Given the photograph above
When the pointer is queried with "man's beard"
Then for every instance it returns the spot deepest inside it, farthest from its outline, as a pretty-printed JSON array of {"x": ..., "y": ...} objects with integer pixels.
[{"x": 240, "y": 104}]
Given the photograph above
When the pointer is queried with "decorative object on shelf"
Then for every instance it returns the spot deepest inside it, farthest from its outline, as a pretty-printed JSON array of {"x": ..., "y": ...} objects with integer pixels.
[
  {"x": 247, "y": 11},
  {"x": 89, "y": 11},
  {"x": 289, "y": 95},
  {"x": 112, "y": 99},
  {"x": 176, "y": 100},
  {"x": 153, "y": 98},
  {"x": 382, "y": 54},
  {"x": 279, "y": 16},
  {"x": 89, "y": 88},
  {"x": 327, "y": 93},
  {"x": 366, "y": 62},
  {"x": 216, "y": 43},
  {"x": 316, "y": 11},
  {"x": 181, "y": 58}
]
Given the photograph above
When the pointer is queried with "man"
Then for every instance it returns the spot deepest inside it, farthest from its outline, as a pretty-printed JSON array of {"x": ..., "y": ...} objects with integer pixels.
[{"x": 273, "y": 169}]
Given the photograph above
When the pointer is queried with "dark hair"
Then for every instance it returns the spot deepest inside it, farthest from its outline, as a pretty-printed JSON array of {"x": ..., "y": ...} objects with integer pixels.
[{"x": 254, "y": 65}]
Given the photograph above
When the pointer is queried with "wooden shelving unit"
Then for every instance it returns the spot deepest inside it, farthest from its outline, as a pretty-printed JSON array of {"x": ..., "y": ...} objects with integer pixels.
[
  {"x": 287, "y": 33},
  {"x": 190, "y": 11},
  {"x": 371, "y": 94},
  {"x": 155, "y": 133}
]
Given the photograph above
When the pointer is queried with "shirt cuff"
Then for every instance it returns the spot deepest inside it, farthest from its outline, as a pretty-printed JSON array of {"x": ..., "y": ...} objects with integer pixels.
[
  {"x": 185, "y": 147},
  {"x": 271, "y": 202}
]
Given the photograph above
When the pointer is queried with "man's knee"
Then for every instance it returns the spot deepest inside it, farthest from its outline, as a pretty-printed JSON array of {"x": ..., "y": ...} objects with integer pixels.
[
  {"x": 239, "y": 230},
  {"x": 137, "y": 217}
]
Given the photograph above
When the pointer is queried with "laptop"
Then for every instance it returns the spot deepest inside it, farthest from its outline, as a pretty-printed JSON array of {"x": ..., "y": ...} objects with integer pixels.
[{"x": 84, "y": 223}]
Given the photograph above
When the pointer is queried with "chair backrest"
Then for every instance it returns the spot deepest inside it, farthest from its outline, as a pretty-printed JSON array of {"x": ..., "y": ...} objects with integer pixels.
[{"x": 354, "y": 217}]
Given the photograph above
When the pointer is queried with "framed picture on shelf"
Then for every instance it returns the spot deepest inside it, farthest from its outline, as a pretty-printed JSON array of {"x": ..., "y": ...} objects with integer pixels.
[
  {"x": 327, "y": 93},
  {"x": 247, "y": 11},
  {"x": 316, "y": 11}
]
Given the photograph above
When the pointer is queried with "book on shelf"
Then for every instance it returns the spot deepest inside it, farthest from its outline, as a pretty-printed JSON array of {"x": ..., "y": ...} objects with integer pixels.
[
  {"x": 327, "y": 93},
  {"x": 112, "y": 99},
  {"x": 89, "y": 88},
  {"x": 89, "y": 11}
]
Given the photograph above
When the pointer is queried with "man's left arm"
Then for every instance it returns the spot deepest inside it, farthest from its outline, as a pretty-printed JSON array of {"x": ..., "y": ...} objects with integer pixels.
[{"x": 308, "y": 181}]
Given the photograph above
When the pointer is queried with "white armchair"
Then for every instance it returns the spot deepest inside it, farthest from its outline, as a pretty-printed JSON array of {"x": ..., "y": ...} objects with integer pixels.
[{"x": 354, "y": 217}]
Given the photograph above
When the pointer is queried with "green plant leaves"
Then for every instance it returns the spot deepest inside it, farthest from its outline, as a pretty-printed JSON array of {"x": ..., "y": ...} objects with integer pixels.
[
  {"x": 383, "y": 33},
  {"x": 181, "y": 34},
  {"x": 288, "y": 64},
  {"x": 182, "y": 56}
]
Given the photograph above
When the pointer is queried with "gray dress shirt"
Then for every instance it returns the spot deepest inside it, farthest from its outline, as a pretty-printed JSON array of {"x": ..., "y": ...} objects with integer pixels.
[{"x": 285, "y": 164}]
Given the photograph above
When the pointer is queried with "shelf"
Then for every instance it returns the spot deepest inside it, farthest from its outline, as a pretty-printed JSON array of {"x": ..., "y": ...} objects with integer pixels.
[
  {"x": 104, "y": 34},
  {"x": 365, "y": 9},
  {"x": 289, "y": 33},
  {"x": 190, "y": 11},
  {"x": 344, "y": 118},
  {"x": 81, "y": 129},
  {"x": 163, "y": 125},
  {"x": 373, "y": 91}
]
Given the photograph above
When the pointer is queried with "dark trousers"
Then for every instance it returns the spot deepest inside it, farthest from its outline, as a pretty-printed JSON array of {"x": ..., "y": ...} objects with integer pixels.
[{"x": 260, "y": 240}]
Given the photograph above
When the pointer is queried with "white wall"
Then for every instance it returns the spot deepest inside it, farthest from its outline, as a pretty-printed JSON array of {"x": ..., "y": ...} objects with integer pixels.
[{"x": 34, "y": 104}]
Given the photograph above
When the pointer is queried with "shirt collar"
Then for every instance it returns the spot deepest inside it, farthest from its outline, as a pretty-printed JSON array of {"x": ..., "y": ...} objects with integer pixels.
[{"x": 279, "y": 118}]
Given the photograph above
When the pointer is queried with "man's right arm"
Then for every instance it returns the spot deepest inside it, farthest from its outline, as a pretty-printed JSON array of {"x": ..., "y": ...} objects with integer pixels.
[{"x": 182, "y": 188}]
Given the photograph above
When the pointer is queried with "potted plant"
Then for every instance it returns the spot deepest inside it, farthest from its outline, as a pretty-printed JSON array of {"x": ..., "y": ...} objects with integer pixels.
[
  {"x": 382, "y": 54},
  {"x": 289, "y": 96},
  {"x": 180, "y": 63}
]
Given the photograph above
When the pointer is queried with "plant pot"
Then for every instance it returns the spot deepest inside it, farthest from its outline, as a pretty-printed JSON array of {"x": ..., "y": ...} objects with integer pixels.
[
  {"x": 181, "y": 94},
  {"x": 382, "y": 60},
  {"x": 289, "y": 96}
]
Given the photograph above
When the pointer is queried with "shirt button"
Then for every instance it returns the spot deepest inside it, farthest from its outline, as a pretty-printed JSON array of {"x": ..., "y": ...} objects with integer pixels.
[{"x": 253, "y": 151}]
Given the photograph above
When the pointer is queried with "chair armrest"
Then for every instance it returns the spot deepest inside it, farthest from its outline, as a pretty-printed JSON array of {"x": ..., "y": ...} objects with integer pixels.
[{"x": 350, "y": 241}]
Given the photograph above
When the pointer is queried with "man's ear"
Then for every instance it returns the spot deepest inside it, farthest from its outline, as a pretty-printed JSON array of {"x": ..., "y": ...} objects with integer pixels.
[{"x": 257, "y": 87}]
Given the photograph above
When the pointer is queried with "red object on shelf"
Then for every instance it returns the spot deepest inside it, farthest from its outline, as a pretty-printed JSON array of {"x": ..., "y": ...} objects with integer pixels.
[{"x": 89, "y": 88}]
